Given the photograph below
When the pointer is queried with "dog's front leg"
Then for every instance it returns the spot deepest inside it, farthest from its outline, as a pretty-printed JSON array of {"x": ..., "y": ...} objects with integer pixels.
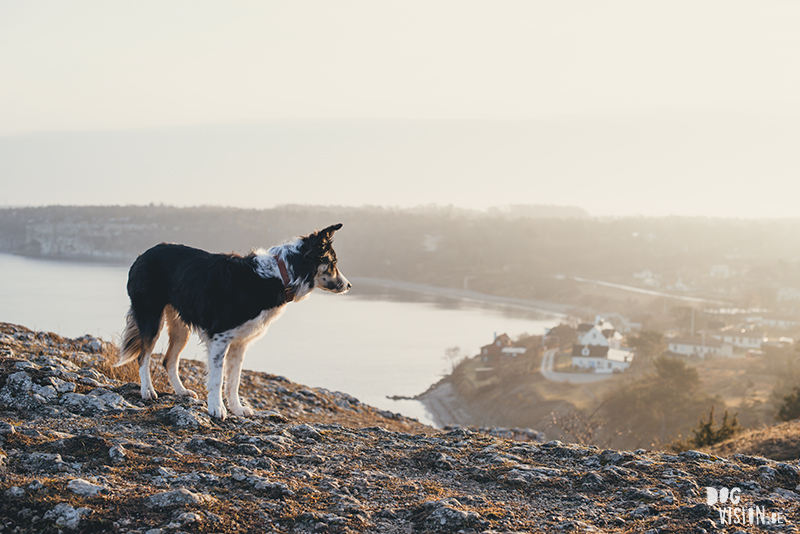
[
  {"x": 217, "y": 347},
  {"x": 233, "y": 371}
]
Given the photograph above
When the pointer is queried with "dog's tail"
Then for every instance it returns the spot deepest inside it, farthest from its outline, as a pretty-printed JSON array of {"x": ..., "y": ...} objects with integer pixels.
[{"x": 131, "y": 345}]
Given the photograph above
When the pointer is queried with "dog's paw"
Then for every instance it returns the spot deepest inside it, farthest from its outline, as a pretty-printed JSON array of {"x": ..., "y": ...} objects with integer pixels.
[
  {"x": 149, "y": 393},
  {"x": 187, "y": 393},
  {"x": 217, "y": 411},
  {"x": 243, "y": 411}
]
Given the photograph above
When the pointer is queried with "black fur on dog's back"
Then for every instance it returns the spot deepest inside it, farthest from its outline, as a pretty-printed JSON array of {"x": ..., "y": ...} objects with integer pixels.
[{"x": 212, "y": 292}]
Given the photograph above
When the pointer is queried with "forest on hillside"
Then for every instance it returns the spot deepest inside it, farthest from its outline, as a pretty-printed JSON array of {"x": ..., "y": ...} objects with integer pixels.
[{"x": 505, "y": 252}]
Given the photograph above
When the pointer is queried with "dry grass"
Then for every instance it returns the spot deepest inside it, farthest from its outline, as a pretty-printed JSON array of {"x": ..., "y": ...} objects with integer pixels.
[
  {"x": 778, "y": 442},
  {"x": 125, "y": 373}
]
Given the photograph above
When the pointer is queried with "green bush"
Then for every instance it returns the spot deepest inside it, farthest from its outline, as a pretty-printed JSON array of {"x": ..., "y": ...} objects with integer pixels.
[{"x": 705, "y": 434}]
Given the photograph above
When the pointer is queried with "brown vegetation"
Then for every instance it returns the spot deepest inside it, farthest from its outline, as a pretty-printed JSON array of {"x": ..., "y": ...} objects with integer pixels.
[{"x": 779, "y": 442}]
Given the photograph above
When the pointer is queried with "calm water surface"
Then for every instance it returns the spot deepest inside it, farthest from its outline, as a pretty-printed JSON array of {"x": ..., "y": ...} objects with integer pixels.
[{"x": 370, "y": 343}]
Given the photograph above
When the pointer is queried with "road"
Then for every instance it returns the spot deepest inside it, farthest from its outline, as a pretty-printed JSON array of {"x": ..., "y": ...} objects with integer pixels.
[
  {"x": 653, "y": 293},
  {"x": 573, "y": 378}
]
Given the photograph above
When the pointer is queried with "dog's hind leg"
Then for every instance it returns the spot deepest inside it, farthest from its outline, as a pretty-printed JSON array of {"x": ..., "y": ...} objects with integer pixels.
[
  {"x": 178, "y": 336},
  {"x": 233, "y": 371},
  {"x": 217, "y": 347},
  {"x": 149, "y": 328},
  {"x": 148, "y": 390}
]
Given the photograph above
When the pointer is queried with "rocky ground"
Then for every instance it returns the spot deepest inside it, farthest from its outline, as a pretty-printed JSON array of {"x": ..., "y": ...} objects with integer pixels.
[{"x": 81, "y": 452}]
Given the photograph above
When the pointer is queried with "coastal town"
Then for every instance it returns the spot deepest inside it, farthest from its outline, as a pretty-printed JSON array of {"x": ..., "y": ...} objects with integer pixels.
[
  {"x": 599, "y": 347},
  {"x": 743, "y": 359}
]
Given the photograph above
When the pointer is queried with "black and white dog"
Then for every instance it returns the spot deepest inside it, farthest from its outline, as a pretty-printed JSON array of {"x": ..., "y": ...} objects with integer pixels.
[{"x": 229, "y": 300}]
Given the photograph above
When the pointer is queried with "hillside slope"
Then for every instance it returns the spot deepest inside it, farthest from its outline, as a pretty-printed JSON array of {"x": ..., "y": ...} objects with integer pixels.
[
  {"x": 779, "y": 442},
  {"x": 80, "y": 451}
]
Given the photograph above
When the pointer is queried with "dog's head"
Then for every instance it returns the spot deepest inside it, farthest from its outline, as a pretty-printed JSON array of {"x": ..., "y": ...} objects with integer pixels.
[{"x": 318, "y": 251}]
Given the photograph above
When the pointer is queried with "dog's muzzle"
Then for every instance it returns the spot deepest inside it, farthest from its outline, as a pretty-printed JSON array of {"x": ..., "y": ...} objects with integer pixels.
[{"x": 342, "y": 287}]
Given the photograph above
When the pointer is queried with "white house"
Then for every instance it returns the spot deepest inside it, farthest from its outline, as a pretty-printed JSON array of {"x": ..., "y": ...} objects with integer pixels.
[
  {"x": 593, "y": 336},
  {"x": 741, "y": 338},
  {"x": 603, "y": 334},
  {"x": 599, "y": 348},
  {"x": 601, "y": 359},
  {"x": 699, "y": 346},
  {"x": 582, "y": 329}
]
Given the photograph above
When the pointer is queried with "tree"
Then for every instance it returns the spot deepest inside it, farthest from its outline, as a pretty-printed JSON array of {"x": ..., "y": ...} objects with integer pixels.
[
  {"x": 657, "y": 406},
  {"x": 791, "y": 406},
  {"x": 648, "y": 344},
  {"x": 453, "y": 356}
]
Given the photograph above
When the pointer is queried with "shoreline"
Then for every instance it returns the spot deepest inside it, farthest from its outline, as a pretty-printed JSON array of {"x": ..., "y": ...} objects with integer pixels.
[
  {"x": 552, "y": 309},
  {"x": 441, "y": 401}
]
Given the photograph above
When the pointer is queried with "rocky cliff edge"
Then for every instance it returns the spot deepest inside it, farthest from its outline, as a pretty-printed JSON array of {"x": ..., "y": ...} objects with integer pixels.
[{"x": 81, "y": 452}]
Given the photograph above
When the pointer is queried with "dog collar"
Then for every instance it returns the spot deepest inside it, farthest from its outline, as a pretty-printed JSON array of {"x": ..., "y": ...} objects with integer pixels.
[{"x": 288, "y": 291}]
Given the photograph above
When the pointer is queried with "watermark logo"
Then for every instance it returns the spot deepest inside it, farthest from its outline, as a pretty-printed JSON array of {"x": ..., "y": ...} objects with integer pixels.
[
  {"x": 723, "y": 495},
  {"x": 733, "y": 511}
]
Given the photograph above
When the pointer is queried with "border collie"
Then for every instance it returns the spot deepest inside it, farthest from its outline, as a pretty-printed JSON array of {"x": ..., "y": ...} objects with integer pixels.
[{"x": 229, "y": 300}]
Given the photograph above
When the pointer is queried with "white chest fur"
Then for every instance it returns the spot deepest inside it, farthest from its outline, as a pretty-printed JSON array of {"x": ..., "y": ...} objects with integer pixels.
[{"x": 250, "y": 331}]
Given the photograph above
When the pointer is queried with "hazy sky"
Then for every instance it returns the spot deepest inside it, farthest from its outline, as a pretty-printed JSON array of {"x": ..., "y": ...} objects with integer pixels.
[{"x": 686, "y": 107}]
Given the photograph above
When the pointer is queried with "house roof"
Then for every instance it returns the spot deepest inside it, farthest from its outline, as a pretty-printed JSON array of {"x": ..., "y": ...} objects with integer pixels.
[
  {"x": 605, "y": 325},
  {"x": 503, "y": 338},
  {"x": 499, "y": 341},
  {"x": 593, "y": 333},
  {"x": 612, "y": 334}
]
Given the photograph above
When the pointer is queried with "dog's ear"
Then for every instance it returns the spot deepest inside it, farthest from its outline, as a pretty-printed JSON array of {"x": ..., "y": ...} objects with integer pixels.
[
  {"x": 321, "y": 237},
  {"x": 329, "y": 230}
]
